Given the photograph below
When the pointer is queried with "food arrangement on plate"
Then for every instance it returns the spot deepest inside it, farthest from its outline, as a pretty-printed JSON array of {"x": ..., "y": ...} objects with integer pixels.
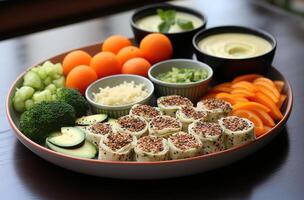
[{"x": 128, "y": 103}]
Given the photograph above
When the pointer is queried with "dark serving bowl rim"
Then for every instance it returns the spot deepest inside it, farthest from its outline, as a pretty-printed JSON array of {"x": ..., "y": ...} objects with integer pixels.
[
  {"x": 185, "y": 9},
  {"x": 236, "y": 29}
]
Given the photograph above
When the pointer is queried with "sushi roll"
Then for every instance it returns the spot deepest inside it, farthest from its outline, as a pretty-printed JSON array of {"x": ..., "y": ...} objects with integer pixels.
[
  {"x": 132, "y": 124},
  {"x": 237, "y": 130},
  {"x": 95, "y": 132},
  {"x": 187, "y": 114},
  {"x": 117, "y": 147},
  {"x": 210, "y": 134},
  {"x": 151, "y": 148},
  {"x": 164, "y": 126},
  {"x": 168, "y": 105},
  {"x": 215, "y": 108},
  {"x": 145, "y": 111},
  {"x": 184, "y": 145}
]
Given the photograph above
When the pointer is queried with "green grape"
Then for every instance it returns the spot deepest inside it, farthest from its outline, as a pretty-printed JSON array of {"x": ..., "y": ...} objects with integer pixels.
[
  {"x": 28, "y": 104},
  {"x": 25, "y": 92},
  {"x": 18, "y": 104},
  {"x": 33, "y": 80},
  {"x": 40, "y": 96},
  {"x": 51, "y": 87},
  {"x": 59, "y": 82}
]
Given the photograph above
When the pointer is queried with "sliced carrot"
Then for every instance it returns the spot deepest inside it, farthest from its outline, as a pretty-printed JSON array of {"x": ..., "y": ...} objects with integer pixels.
[
  {"x": 268, "y": 93},
  {"x": 246, "y": 77},
  {"x": 263, "y": 99},
  {"x": 244, "y": 85},
  {"x": 250, "y": 106},
  {"x": 223, "y": 87},
  {"x": 264, "y": 79},
  {"x": 281, "y": 100},
  {"x": 265, "y": 117},
  {"x": 209, "y": 95},
  {"x": 269, "y": 87},
  {"x": 242, "y": 91},
  {"x": 279, "y": 85},
  {"x": 258, "y": 124},
  {"x": 230, "y": 98}
]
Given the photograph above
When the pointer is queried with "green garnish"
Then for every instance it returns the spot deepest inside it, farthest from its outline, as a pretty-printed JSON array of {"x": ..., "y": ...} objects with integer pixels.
[
  {"x": 168, "y": 18},
  {"x": 183, "y": 75}
]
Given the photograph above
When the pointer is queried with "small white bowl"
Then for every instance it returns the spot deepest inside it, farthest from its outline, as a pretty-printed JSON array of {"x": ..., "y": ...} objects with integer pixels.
[
  {"x": 193, "y": 91},
  {"x": 111, "y": 81}
]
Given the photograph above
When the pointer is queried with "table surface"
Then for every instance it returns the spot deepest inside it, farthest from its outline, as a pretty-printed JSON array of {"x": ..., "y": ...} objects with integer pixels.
[{"x": 274, "y": 172}]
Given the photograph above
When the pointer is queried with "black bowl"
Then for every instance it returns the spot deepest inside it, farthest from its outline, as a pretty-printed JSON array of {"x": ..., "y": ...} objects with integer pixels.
[
  {"x": 182, "y": 41},
  {"x": 227, "y": 68}
]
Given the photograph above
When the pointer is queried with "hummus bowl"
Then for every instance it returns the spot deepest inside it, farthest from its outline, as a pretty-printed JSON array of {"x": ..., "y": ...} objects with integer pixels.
[
  {"x": 235, "y": 50},
  {"x": 147, "y": 170}
]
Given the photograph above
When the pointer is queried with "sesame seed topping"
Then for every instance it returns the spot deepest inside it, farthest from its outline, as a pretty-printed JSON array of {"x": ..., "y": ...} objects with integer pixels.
[
  {"x": 184, "y": 141},
  {"x": 206, "y": 128},
  {"x": 101, "y": 128},
  {"x": 212, "y": 103},
  {"x": 235, "y": 123},
  {"x": 190, "y": 112},
  {"x": 175, "y": 100},
  {"x": 151, "y": 144},
  {"x": 145, "y": 111},
  {"x": 118, "y": 140},
  {"x": 161, "y": 122},
  {"x": 132, "y": 123}
]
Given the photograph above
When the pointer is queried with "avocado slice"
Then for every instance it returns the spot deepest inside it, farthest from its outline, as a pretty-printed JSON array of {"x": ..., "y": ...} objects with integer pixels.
[
  {"x": 68, "y": 137},
  {"x": 91, "y": 119},
  {"x": 87, "y": 150}
]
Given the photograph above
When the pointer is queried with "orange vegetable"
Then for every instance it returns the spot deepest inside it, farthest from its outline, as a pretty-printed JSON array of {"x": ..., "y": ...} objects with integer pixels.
[
  {"x": 244, "y": 92},
  {"x": 74, "y": 59},
  {"x": 246, "y": 77},
  {"x": 222, "y": 87},
  {"x": 233, "y": 99},
  {"x": 105, "y": 64},
  {"x": 274, "y": 110},
  {"x": 127, "y": 53},
  {"x": 138, "y": 66},
  {"x": 80, "y": 78},
  {"x": 258, "y": 124},
  {"x": 269, "y": 87},
  {"x": 250, "y": 106},
  {"x": 268, "y": 93},
  {"x": 281, "y": 100},
  {"x": 156, "y": 47},
  {"x": 265, "y": 117},
  {"x": 244, "y": 85},
  {"x": 266, "y": 129},
  {"x": 209, "y": 95},
  {"x": 264, "y": 79},
  {"x": 115, "y": 42},
  {"x": 279, "y": 85}
]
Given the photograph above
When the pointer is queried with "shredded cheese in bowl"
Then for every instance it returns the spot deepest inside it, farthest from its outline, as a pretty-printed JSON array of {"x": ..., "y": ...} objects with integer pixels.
[{"x": 122, "y": 94}]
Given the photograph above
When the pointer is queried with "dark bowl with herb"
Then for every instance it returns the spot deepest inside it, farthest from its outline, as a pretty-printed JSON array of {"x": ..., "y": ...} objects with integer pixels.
[
  {"x": 178, "y": 23},
  {"x": 185, "y": 77},
  {"x": 235, "y": 50}
]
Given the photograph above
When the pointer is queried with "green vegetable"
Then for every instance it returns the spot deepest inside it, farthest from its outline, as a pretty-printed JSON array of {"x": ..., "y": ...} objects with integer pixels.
[
  {"x": 168, "y": 19},
  {"x": 59, "y": 83},
  {"x": 184, "y": 75},
  {"x": 75, "y": 99},
  {"x": 40, "y": 96},
  {"x": 33, "y": 80},
  {"x": 45, "y": 117}
]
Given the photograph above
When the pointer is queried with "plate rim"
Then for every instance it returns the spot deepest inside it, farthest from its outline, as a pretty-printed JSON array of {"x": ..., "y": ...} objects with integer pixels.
[{"x": 17, "y": 132}]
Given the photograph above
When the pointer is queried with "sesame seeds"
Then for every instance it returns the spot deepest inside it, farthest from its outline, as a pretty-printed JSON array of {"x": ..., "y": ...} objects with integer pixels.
[
  {"x": 184, "y": 141},
  {"x": 151, "y": 144},
  {"x": 132, "y": 123},
  {"x": 175, "y": 100},
  {"x": 235, "y": 123},
  {"x": 207, "y": 128},
  {"x": 117, "y": 141},
  {"x": 145, "y": 111},
  {"x": 162, "y": 122},
  {"x": 101, "y": 128},
  {"x": 190, "y": 112},
  {"x": 212, "y": 103}
]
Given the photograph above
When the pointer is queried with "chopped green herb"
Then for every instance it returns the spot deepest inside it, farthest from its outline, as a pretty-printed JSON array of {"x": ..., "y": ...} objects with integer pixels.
[
  {"x": 164, "y": 27},
  {"x": 183, "y": 75},
  {"x": 185, "y": 24}
]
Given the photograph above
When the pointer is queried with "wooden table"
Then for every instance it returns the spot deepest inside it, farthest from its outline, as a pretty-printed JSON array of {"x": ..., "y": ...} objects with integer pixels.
[{"x": 275, "y": 172}]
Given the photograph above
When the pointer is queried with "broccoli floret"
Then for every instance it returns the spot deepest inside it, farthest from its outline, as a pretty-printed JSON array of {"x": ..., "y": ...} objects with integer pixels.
[
  {"x": 45, "y": 117},
  {"x": 75, "y": 99}
]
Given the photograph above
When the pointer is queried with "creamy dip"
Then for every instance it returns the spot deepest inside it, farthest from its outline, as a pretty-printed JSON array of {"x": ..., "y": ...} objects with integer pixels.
[
  {"x": 234, "y": 45},
  {"x": 150, "y": 23}
]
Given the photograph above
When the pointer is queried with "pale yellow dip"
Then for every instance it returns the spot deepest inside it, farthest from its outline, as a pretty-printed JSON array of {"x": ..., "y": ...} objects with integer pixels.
[
  {"x": 234, "y": 45},
  {"x": 150, "y": 23}
]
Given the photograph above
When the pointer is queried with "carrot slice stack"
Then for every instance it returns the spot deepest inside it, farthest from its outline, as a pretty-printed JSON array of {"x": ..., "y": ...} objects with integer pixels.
[{"x": 246, "y": 77}]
